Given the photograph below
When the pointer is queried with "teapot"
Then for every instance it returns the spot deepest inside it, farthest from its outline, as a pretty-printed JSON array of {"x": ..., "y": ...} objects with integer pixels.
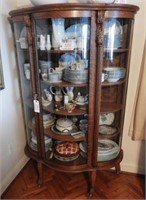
[
  {"x": 69, "y": 93},
  {"x": 48, "y": 95},
  {"x": 80, "y": 99},
  {"x": 58, "y": 94}
]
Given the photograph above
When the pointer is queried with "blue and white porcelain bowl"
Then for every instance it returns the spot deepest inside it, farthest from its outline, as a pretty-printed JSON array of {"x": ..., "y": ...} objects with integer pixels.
[{"x": 114, "y": 73}]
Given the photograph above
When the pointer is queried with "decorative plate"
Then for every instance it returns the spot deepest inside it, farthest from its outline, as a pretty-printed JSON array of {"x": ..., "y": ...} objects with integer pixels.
[
  {"x": 107, "y": 130},
  {"x": 106, "y": 118},
  {"x": 34, "y": 147}
]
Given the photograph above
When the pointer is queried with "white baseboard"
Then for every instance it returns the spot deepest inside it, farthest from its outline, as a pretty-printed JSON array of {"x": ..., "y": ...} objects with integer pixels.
[
  {"x": 13, "y": 173},
  {"x": 132, "y": 168}
]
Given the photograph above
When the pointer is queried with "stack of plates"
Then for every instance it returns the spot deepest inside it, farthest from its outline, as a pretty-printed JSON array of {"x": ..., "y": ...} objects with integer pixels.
[
  {"x": 107, "y": 150},
  {"x": 33, "y": 142},
  {"x": 48, "y": 120},
  {"x": 48, "y": 123}
]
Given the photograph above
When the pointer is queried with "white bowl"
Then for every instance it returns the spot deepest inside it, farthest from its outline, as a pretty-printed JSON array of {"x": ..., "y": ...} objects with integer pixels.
[
  {"x": 64, "y": 124},
  {"x": 43, "y": 2}
]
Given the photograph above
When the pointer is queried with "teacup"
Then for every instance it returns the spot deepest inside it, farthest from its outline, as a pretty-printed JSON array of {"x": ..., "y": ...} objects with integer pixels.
[
  {"x": 59, "y": 70},
  {"x": 83, "y": 124},
  {"x": 53, "y": 76},
  {"x": 44, "y": 74}
]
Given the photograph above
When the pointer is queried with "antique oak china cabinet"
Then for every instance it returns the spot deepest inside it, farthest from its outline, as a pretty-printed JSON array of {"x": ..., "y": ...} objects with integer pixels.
[{"x": 74, "y": 63}]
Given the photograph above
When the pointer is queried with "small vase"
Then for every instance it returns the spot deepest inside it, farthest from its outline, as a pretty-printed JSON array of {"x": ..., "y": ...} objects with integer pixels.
[{"x": 48, "y": 44}]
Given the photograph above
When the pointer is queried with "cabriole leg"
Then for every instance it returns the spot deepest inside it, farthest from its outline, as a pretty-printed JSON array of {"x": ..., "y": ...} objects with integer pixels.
[
  {"x": 92, "y": 182},
  {"x": 40, "y": 173},
  {"x": 118, "y": 169}
]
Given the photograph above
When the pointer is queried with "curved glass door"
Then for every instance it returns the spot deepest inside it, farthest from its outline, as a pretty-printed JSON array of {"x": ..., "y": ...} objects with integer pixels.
[
  {"x": 25, "y": 83},
  {"x": 63, "y": 59},
  {"x": 114, "y": 76}
]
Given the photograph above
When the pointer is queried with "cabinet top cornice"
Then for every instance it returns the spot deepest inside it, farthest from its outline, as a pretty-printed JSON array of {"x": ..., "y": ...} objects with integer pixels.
[{"x": 75, "y": 6}]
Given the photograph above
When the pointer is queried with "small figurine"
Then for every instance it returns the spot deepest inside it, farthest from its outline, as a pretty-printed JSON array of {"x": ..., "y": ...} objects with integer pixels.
[{"x": 56, "y": 107}]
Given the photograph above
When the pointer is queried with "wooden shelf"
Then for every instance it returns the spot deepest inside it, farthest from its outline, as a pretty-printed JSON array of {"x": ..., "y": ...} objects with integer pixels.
[
  {"x": 104, "y": 136},
  {"x": 75, "y": 112},
  {"x": 106, "y": 83},
  {"x": 110, "y": 107},
  {"x": 79, "y": 161},
  {"x": 67, "y": 138},
  {"x": 65, "y": 84},
  {"x": 51, "y": 134}
]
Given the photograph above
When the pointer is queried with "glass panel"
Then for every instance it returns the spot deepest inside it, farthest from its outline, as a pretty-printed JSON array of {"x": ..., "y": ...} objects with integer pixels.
[
  {"x": 25, "y": 80},
  {"x": 63, "y": 61},
  {"x": 114, "y": 75}
]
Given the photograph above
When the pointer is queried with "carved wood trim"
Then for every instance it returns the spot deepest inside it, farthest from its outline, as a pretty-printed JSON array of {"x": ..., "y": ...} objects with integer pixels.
[{"x": 100, "y": 27}]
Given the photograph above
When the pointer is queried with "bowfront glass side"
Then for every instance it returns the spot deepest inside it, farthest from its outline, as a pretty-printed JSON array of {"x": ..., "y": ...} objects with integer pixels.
[
  {"x": 63, "y": 63},
  {"x": 25, "y": 82},
  {"x": 113, "y": 86}
]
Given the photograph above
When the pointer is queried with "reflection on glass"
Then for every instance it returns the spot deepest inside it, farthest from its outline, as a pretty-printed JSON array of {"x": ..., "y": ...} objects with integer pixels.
[
  {"x": 113, "y": 78},
  {"x": 26, "y": 87}
]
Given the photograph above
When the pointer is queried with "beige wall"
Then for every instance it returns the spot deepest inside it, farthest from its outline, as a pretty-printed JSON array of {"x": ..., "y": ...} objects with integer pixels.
[
  {"x": 134, "y": 151},
  {"x": 12, "y": 136}
]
